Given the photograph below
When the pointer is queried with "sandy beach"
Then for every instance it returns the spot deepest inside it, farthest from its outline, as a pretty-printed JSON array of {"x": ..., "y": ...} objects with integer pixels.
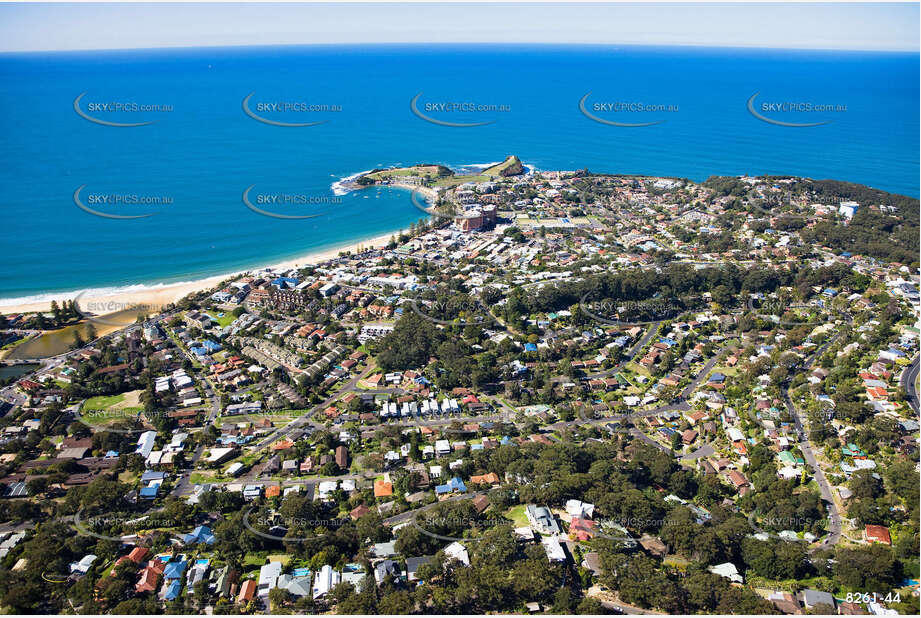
[
  {"x": 160, "y": 296},
  {"x": 154, "y": 298}
]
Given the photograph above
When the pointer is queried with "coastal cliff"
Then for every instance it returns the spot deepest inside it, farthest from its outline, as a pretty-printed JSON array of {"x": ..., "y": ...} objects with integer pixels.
[{"x": 510, "y": 167}]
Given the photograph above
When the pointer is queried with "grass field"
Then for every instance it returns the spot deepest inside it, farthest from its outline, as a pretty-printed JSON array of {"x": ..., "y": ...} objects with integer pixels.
[
  {"x": 223, "y": 320},
  {"x": 282, "y": 558},
  {"x": 278, "y": 420},
  {"x": 103, "y": 402},
  {"x": 453, "y": 181},
  {"x": 428, "y": 171},
  {"x": 676, "y": 561},
  {"x": 197, "y": 478},
  {"x": 516, "y": 514},
  {"x": 111, "y": 408},
  {"x": 497, "y": 169},
  {"x": 726, "y": 371},
  {"x": 638, "y": 369},
  {"x": 253, "y": 559},
  {"x": 293, "y": 413}
]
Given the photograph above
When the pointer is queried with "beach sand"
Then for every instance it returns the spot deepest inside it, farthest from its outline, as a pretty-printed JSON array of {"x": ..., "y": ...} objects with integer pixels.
[
  {"x": 154, "y": 298},
  {"x": 160, "y": 296}
]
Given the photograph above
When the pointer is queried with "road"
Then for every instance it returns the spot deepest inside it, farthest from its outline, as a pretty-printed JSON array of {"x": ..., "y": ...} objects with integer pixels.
[
  {"x": 680, "y": 404},
  {"x": 603, "y": 596},
  {"x": 703, "y": 373},
  {"x": 623, "y": 608},
  {"x": 834, "y": 517},
  {"x": 307, "y": 417},
  {"x": 183, "y": 484},
  {"x": 308, "y": 484},
  {"x": 706, "y": 450},
  {"x": 409, "y": 515},
  {"x": 631, "y": 353},
  {"x": 909, "y": 383}
]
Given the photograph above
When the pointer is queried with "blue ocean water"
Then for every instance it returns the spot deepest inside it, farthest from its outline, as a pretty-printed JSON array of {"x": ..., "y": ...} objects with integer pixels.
[{"x": 206, "y": 151}]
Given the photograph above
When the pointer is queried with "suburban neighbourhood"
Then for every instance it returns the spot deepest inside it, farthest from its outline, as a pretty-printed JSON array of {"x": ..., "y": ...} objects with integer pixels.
[{"x": 559, "y": 392}]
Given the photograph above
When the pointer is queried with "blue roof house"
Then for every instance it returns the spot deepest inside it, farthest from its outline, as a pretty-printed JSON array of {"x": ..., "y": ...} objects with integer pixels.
[
  {"x": 174, "y": 570},
  {"x": 173, "y": 590},
  {"x": 211, "y": 346},
  {"x": 201, "y": 534},
  {"x": 150, "y": 492},
  {"x": 283, "y": 283},
  {"x": 455, "y": 484}
]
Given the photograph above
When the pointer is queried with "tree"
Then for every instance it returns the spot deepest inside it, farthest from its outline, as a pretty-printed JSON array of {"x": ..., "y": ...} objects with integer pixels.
[
  {"x": 676, "y": 442},
  {"x": 396, "y": 602},
  {"x": 591, "y": 607},
  {"x": 563, "y": 602},
  {"x": 410, "y": 344},
  {"x": 278, "y": 597},
  {"x": 867, "y": 568},
  {"x": 37, "y": 485}
]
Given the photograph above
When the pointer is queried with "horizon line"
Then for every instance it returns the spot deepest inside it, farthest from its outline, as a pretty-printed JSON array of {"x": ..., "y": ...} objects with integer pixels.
[{"x": 465, "y": 43}]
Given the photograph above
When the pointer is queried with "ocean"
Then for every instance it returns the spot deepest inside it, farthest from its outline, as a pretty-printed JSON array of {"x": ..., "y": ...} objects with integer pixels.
[{"x": 190, "y": 168}]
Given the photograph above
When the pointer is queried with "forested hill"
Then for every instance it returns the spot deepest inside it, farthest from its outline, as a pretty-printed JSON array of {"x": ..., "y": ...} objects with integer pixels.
[{"x": 892, "y": 235}]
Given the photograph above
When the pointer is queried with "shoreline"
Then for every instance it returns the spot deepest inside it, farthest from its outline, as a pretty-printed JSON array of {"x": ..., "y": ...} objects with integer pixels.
[
  {"x": 347, "y": 185},
  {"x": 160, "y": 295}
]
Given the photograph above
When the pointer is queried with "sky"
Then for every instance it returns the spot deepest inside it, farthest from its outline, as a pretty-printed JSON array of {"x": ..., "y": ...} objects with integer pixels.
[{"x": 857, "y": 26}]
